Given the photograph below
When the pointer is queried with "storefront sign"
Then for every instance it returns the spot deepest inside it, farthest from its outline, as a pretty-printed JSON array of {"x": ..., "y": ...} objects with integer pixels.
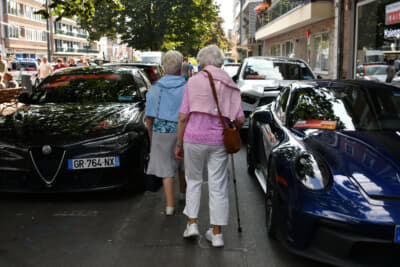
[
  {"x": 392, "y": 13},
  {"x": 392, "y": 33}
]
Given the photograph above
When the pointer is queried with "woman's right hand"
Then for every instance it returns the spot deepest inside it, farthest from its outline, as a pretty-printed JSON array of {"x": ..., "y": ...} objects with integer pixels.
[{"x": 179, "y": 153}]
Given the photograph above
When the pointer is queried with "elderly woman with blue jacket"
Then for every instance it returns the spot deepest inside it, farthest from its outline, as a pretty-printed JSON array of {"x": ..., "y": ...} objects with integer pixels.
[{"x": 162, "y": 109}]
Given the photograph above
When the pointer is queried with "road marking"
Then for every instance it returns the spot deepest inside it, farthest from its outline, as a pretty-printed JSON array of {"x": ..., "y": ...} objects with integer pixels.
[{"x": 77, "y": 213}]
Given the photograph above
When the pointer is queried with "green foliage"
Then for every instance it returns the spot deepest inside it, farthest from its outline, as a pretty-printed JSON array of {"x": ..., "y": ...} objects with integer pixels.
[
  {"x": 184, "y": 25},
  {"x": 83, "y": 9}
]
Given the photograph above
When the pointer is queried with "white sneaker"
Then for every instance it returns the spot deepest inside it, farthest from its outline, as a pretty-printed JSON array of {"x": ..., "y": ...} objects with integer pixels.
[
  {"x": 216, "y": 240},
  {"x": 191, "y": 230},
  {"x": 169, "y": 211}
]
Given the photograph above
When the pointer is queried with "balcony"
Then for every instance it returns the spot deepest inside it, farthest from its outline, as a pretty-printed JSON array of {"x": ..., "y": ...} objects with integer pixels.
[
  {"x": 76, "y": 50},
  {"x": 284, "y": 16},
  {"x": 72, "y": 34}
]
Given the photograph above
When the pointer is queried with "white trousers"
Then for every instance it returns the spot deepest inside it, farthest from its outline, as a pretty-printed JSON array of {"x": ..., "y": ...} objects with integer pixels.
[{"x": 217, "y": 165}]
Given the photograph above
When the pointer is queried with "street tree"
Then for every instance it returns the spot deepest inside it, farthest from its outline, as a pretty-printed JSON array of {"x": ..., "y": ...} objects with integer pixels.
[
  {"x": 156, "y": 24},
  {"x": 83, "y": 9}
]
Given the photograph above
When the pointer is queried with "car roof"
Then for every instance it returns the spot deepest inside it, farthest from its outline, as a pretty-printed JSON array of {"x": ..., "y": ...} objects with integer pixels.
[
  {"x": 94, "y": 69},
  {"x": 340, "y": 84},
  {"x": 274, "y": 58},
  {"x": 134, "y": 64}
]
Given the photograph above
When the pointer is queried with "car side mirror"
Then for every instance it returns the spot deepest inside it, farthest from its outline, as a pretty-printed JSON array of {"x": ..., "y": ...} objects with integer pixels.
[
  {"x": 25, "y": 98},
  {"x": 319, "y": 77},
  {"x": 235, "y": 78},
  {"x": 263, "y": 116}
]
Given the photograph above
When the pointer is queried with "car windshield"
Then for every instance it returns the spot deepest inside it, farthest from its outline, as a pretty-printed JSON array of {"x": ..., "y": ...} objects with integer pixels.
[
  {"x": 346, "y": 109},
  {"x": 262, "y": 69},
  {"x": 86, "y": 88},
  {"x": 376, "y": 70},
  {"x": 231, "y": 70}
]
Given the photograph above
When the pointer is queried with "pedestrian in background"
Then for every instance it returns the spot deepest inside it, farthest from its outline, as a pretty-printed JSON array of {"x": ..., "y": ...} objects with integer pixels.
[
  {"x": 2, "y": 85},
  {"x": 71, "y": 62},
  {"x": 44, "y": 69},
  {"x": 162, "y": 108},
  {"x": 185, "y": 69},
  {"x": 9, "y": 80},
  {"x": 3, "y": 65},
  {"x": 201, "y": 142},
  {"x": 391, "y": 72},
  {"x": 59, "y": 65}
]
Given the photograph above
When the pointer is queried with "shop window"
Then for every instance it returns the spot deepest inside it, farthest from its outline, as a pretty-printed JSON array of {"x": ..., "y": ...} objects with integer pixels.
[
  {"x": 276, "y": 50},
  {"x": 320, "y": 53},
  {"x": 287, "y": 49}
]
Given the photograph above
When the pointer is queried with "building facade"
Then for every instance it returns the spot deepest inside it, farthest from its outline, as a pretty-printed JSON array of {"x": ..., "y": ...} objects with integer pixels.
[
  {"x": 23, "y": 33},
  {"x": 303, "y": 29},
  {"x": 69, "y": 40}
]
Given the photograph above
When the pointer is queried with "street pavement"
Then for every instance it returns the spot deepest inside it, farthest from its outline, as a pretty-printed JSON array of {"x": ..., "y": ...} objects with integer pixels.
[{"x": 113, "y": 229}]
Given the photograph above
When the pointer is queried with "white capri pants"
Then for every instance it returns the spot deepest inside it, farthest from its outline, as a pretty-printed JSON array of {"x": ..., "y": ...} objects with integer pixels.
[{"x": 217, "y": 164}]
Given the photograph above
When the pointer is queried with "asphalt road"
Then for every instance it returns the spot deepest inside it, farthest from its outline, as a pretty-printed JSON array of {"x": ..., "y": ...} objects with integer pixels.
[{"x": 112, "y": 229}]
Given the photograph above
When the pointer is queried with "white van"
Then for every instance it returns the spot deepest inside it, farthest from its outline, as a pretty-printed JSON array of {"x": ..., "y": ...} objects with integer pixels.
[{"x": 152, "y": 56}]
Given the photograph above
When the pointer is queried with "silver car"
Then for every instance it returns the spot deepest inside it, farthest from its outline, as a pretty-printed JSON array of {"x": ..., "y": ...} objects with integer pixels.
[{"x": 261, "y": 78}]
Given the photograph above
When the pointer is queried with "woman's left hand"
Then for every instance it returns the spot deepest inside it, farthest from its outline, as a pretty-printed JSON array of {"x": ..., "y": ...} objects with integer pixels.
[{"x": 179, "y": 153}]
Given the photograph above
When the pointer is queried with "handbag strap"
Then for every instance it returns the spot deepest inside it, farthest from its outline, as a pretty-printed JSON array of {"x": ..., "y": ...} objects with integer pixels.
[{"x": 210, "y": 78}]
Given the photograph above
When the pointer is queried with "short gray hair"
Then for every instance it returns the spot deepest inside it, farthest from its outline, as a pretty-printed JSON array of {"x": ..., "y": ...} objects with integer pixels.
[
  {"x": 210, "y": 55},
  {"x": 172, "y": 62}
]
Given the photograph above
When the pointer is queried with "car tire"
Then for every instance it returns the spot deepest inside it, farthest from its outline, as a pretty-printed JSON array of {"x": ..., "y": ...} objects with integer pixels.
[
  {"x": 271, "y": 204},
  {"x": 137, "y": 181}
]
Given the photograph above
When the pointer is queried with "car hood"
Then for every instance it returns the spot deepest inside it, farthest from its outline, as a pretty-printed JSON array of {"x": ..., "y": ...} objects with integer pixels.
[
  {"x": 371, "y": 159},
  {"x": 262, "y": 88},
  {"x": 65, "y": 123}
]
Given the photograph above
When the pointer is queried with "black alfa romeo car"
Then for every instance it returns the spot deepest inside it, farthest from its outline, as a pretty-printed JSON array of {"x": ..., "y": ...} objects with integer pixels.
[{"x": 82, "y": 129}]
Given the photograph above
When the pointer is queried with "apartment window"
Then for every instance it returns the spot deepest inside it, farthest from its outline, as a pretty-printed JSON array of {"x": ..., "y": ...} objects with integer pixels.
[
  {"x": 12, "y": 8},
  {"x": 276, "y": 50},
  {"x": 36, "y": 35},
  {"x": 321, "y": 53},
  {"x": 28, "y": 12},
  {"x": 21, "y": 9},
  {"x": 12, "y": 31}
]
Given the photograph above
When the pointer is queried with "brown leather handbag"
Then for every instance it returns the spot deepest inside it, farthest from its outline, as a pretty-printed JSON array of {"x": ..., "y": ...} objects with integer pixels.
[{"x": 231, "y": 135}]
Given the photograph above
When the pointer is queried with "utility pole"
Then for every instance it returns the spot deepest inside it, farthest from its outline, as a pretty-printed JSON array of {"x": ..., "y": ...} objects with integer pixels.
[{"x": 48, "y": 33}]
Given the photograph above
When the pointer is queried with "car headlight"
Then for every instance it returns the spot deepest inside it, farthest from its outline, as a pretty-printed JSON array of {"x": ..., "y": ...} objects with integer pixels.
[
  {"x": 115, "y": 142},
  {"x": 312, "y": 172}
]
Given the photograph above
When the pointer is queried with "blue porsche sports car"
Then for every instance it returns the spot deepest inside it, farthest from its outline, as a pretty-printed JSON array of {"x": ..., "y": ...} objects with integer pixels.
[{"x": 327, "y": 155}]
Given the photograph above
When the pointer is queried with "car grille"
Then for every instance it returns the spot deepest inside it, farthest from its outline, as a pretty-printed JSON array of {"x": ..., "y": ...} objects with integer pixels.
[{"x": 47, "y": 165}]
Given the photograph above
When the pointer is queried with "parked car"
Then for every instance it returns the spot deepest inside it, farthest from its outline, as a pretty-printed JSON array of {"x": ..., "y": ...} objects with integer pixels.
[
  {"x": 19, "y": 68},
  {"x": 82, "y": 129},
  {"x": 261, "y": 78},
  {"x": 327, "y": 156},
  {"x": 154, "y": 71},
  {"x": 231, "y": 68},
  {"x": 374, "y": 72}
]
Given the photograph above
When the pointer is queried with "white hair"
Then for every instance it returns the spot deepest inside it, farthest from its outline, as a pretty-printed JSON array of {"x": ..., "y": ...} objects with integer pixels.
[
  {"x": 172, "y": 62},
  {"x": 210, "y": 55}
]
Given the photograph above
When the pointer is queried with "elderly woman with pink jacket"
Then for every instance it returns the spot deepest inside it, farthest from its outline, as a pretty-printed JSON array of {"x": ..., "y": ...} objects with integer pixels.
[{"x": 201, "y": 142}]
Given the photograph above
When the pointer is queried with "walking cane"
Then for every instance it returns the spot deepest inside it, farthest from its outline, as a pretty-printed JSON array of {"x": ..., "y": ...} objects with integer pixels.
[{"x": 236, "y": 194}]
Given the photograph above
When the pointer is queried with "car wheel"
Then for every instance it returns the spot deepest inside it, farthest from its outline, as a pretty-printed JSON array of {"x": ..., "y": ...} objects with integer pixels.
[
  {"x": 271, "y": 204},
  {"x": 137, "y": 181}
]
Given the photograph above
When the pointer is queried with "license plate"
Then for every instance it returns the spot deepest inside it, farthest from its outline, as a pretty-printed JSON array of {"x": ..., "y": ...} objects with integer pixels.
[{"x": 93, "y": 163}]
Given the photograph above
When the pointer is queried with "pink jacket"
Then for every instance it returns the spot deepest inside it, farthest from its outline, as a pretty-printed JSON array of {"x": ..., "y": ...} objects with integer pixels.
[{"x": 201, "y": 98}]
